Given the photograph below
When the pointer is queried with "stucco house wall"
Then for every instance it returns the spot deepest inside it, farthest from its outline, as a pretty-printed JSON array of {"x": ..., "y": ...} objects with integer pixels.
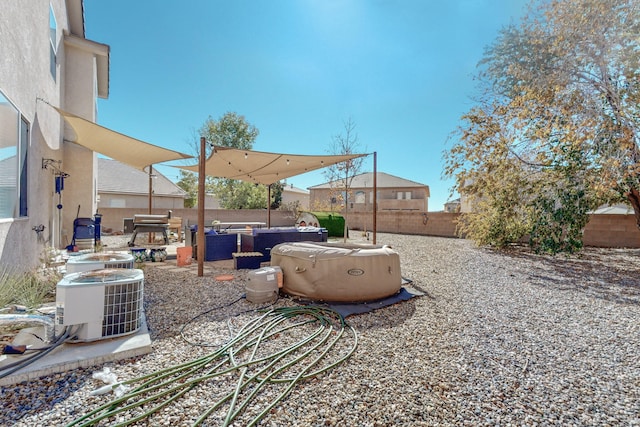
[
  {"x": 26, "y": 81},
  {"x": 291, "y": 194}
]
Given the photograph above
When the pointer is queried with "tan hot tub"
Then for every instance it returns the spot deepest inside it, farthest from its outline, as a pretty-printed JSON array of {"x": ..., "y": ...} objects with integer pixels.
[{"x": 338, "y": 272}]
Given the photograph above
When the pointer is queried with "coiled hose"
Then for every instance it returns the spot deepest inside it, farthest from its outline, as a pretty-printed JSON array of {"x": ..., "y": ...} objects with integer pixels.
[{"x": 274, "y": 351}]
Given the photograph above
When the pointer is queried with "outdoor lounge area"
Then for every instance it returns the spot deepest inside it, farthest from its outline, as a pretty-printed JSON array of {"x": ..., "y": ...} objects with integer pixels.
[
  {"x": 263, "y": 240},
  {"x": 222, "y": 245}
]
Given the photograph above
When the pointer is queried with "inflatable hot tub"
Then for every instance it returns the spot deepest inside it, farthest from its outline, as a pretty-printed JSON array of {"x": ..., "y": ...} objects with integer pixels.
[{"x": 336, "y": 272}]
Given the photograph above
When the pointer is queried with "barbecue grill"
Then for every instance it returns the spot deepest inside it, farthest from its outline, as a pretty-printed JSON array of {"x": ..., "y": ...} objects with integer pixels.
[{"x": 150, "y": 224}]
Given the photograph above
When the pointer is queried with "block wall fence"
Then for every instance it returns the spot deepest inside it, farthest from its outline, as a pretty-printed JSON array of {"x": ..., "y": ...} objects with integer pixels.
[{"x": 601, "y": 231}]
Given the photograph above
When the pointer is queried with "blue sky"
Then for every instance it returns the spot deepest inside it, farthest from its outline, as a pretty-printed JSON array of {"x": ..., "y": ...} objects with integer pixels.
[{"x": 402, "y": 70}]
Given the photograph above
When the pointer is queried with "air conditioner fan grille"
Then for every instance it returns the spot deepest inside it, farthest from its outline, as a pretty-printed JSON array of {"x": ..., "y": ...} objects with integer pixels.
[{"x": 122, "y": 309}]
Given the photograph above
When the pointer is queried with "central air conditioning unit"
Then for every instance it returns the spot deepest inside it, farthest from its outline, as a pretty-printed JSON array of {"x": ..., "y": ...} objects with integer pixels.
[
  {"x": 100, "y": 304},
  {"x": 97, "y": 261}
]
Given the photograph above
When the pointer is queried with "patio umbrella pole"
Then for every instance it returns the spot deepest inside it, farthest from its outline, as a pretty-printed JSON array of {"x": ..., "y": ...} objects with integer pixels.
[
  {"x": 269, "y": 206},
  {"x": 200, "y": 232}
]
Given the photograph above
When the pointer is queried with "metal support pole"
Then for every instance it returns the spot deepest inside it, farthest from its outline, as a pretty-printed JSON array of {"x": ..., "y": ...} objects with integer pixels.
[
  {"x": 150, "y": 235},
  {"x": 375, "y": 195},
  {"x": 269, "y": 206},
  {"x": 150, "y": 188},
  {"x": 200, "y": 232}
]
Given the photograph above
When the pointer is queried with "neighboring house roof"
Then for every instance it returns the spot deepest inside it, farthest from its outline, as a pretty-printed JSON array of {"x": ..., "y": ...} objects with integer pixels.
[
  {"x": 116, "y": 177},
  {"x": 291, "y": 189},
  {"x": 365, "y": 180},
  {"x": 620, "y": 209}
]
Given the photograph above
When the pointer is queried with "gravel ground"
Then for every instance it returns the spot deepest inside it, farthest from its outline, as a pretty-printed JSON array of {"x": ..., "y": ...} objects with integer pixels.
[{"x": 498, "y": 339}]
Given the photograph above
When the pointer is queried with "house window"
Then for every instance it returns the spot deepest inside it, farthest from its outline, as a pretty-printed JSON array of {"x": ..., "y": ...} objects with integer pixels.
[
  {"x": 53, "y": 26},
  {"x": 407, "y": 195},
  {"x": 22, "y": 164},
  {"x": 360, "y": 197},
  {"x": 14, "y": 142},
  {"x": 399, "y": 195}
]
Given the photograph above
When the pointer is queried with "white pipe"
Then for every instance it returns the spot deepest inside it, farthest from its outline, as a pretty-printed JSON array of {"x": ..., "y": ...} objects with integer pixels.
[{"x": 47, "y": 322}]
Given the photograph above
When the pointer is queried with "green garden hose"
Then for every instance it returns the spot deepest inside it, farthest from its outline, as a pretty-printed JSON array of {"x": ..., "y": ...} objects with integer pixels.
[{"x": 278, "y": 349}]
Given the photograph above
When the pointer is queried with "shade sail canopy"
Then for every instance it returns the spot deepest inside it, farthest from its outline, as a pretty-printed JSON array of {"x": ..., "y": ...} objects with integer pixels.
[
  {"x": 261, "y": 167},
  {"x": 117, "y": 146}
]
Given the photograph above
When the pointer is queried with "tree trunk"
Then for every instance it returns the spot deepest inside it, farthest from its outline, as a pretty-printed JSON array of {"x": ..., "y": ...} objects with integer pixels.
[{"x": 634, "y": 199}]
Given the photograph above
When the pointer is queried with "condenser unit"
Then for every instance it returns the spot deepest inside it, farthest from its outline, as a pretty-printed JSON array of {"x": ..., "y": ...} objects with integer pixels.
[
  {"x": 97, "y": 261},
  {"x": 100, "y": 304}
]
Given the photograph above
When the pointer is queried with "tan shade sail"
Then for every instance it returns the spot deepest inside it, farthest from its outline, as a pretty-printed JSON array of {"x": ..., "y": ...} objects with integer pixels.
[
  {"x": 261, "y": 167},
  {"x": 117, "y": 146}
]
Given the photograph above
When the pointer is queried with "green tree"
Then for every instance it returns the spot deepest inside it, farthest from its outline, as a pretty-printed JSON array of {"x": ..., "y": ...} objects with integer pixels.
[
  {"x": 341, "y": 175},
  {"x": 230, "y": 130},
  {"x": 555, "y": 124},
  {"x": 233, "y": 130},
  {"x": 189, "y": 182},
  {"x": 276, "y": 195}
]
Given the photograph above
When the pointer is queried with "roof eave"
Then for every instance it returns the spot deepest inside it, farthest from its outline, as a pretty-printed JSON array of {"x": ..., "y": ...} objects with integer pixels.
[{"x": 101, "y": 52}]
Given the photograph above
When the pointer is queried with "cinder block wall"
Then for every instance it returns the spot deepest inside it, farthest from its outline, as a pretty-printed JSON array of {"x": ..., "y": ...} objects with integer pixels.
[
  {"x": 612, "y": 231},
  {"x": 601, "y": 231},
  {"x": 403, "y": 222},
  {"x": 114, "y": 217}
]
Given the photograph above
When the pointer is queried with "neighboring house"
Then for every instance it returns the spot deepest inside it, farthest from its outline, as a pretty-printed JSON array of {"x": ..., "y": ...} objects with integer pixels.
[
  {"x": 122, "y": 186},
  {"x": 211, "y": 201},
  {"x": 291, "y": 194},
  {"x": 46, "y": 59},
  {"x": 394, "y": 194},
  {"x": 452, "y": 206}
]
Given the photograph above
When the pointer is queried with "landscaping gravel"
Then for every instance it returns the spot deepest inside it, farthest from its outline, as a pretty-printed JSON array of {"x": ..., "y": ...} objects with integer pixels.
[{"x": 498, "y": 338}]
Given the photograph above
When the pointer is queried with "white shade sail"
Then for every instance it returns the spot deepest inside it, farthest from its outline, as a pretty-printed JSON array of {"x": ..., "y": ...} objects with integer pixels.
[
  {"x": 117, "y": 146},
  {"x": 261, "y": 167}
]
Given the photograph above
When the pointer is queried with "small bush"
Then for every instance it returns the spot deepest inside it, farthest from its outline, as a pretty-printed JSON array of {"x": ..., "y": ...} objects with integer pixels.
[{"x": 30, "y": 289}]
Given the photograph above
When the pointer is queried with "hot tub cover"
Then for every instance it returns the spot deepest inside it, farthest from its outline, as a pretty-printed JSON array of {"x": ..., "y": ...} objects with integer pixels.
[{"x": 336, "y": 272}]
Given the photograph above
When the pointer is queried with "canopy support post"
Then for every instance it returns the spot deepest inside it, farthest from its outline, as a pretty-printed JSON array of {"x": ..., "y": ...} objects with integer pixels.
[
  {"x": 375, "y": 195},
  {"x": 150, "y": 188},
  {"x": 150, "y": 235},
  {"x": 200, "y": 232},
  {"x": 269, "y": 206}
]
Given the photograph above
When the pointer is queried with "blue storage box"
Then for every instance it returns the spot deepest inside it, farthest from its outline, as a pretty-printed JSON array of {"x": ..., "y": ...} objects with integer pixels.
[
  {"x": 220, "y": 246},
  {"x": 250, "y": 260},
  {"x": 262, "y": 240}
]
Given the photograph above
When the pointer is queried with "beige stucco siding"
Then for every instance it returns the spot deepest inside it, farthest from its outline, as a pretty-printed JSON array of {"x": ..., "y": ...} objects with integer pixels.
[
  {"x": 27, "y": 82},
  {"x": 24, "y": 78}
]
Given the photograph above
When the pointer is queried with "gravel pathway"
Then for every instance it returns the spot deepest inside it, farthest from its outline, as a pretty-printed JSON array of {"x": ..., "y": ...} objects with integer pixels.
[{"x": 498, "y": 339}]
